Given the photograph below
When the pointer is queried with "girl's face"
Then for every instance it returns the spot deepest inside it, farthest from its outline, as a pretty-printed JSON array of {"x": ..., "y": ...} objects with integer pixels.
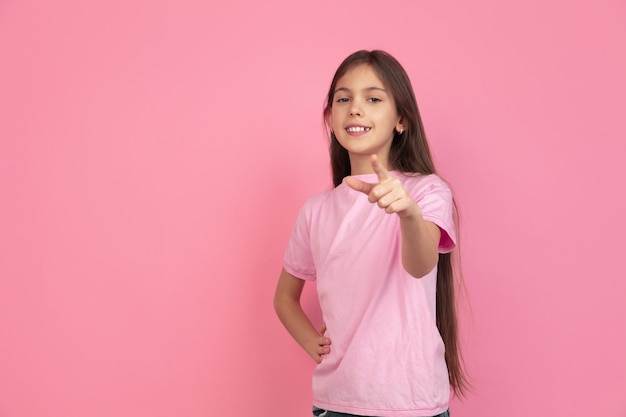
[{"x": 364, "y": 116}]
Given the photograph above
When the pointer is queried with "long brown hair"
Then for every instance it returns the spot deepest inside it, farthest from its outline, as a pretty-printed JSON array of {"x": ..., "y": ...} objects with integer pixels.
[{"x": 409, "y": 153}]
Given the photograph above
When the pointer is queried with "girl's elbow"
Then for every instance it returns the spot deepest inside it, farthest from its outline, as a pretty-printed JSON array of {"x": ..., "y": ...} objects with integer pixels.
[
  {"x": 279, "y": 309},
  {"x": 279, "y": 303},
  {"x": 421, "y": 270},
  {"x": 283, "y": 303},
  {"x": 419, "y": 274}
]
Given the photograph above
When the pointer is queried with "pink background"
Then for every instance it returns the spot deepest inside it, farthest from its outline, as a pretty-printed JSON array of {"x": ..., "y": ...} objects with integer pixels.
[{"x": 154, "y": 154}]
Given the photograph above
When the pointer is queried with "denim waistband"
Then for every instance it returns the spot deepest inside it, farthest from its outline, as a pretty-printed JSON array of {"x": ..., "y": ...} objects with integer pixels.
[{"x": 318, "y": 412}]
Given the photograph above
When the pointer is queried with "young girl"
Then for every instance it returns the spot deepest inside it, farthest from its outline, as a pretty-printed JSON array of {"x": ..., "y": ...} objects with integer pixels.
[{"x": 378, "y": 245}]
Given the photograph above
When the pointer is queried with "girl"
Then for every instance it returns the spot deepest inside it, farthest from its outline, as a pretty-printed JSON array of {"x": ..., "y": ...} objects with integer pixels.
[{"x": 378, "y": 245}]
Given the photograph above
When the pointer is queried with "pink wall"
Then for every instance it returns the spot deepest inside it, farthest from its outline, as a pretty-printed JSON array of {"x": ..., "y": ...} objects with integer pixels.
[{"x": 153, "y": 156}]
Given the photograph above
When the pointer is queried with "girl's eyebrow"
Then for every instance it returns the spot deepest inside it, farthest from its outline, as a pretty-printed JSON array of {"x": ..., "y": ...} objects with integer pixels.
[{"x": 368, "y": 89}]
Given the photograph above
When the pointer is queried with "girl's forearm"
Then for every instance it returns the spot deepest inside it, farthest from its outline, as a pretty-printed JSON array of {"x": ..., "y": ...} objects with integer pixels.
[
  {"x": 420, "y": 241},
  {"x": 296, "y": 321}
]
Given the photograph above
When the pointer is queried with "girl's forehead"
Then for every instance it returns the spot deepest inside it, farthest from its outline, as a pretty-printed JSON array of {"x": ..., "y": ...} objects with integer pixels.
[{"x": 362, "y": 74}]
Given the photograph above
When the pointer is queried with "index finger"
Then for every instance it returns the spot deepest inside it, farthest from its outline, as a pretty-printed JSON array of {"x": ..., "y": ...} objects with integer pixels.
[{"x": 379, "y": 169}]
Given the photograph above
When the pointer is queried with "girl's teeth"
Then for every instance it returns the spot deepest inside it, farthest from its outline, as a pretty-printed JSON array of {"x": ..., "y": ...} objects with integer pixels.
[{"x": 358, "y": 129}]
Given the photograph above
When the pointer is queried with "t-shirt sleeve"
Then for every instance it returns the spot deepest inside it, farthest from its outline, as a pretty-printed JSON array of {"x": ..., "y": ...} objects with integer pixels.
[
  {"x": 298, "y": 259},
  {"x": 434, "y": 198}
]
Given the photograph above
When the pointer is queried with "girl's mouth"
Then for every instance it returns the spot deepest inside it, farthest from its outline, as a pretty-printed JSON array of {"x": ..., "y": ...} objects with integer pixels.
[{"x": 357, "y": 129}]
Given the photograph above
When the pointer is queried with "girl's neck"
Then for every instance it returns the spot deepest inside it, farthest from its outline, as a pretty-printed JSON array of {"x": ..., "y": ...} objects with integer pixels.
[{"x": 361, "y": 164}]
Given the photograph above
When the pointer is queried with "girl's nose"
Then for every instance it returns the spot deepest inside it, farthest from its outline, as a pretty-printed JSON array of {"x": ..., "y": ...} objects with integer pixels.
[{"x": 355, "y": 111}]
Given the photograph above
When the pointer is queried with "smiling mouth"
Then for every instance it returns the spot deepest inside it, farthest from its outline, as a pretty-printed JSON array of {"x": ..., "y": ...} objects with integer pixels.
[{"x": 358, "y": 129}]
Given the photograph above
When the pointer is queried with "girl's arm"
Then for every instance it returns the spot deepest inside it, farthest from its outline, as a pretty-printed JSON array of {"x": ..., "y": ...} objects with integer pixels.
[
  {"x": 420, "y": 242},
  {"x": 420, "y": 238},
  {"x": 289, "y": 311}
]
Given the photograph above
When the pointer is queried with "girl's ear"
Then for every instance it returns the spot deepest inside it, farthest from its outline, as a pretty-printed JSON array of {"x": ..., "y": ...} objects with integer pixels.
[
  {"x": 329, "y": 120},
  {"x": 400, "y": 127}
]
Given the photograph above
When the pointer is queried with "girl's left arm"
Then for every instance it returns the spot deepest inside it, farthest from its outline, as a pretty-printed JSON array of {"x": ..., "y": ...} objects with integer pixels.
[{"x": 420, "y": 242}]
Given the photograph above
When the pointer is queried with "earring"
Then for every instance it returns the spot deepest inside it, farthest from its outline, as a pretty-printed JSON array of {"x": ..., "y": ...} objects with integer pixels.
[{"x": 400, "y": 131}]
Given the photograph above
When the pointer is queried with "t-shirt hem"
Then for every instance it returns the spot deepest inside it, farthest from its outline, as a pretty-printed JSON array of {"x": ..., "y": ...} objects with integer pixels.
[
  {"x": 382, "y": 412},
  {"x": 299, "y": 274},
  {"x": 447, "y": 242}
]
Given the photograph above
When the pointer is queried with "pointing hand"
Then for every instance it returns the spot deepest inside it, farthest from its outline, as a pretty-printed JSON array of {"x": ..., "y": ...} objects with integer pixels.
[{"x": 389, "y": 193}]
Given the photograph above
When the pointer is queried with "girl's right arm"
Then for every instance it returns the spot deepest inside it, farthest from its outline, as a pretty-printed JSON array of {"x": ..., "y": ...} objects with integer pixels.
[{"x": 289, "y": 311}]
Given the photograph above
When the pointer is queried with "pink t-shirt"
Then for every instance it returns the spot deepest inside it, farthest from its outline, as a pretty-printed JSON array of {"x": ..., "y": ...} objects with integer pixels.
[{"x": 387, "y": 357}]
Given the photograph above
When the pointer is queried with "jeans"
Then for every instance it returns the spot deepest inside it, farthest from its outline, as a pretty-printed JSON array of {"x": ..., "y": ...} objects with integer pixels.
[{"x": 318, "y": 412}]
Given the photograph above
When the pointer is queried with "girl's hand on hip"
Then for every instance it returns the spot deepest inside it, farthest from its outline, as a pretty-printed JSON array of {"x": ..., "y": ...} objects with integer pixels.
[
  {"x": 389, "y": 193},
  {"x": 319, "y": 347}
]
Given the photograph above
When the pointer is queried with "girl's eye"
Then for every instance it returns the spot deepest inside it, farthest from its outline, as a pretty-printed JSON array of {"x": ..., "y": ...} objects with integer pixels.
[
  {"x": 342, "y": 100},
  {"x": 374, "y": 99}
]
